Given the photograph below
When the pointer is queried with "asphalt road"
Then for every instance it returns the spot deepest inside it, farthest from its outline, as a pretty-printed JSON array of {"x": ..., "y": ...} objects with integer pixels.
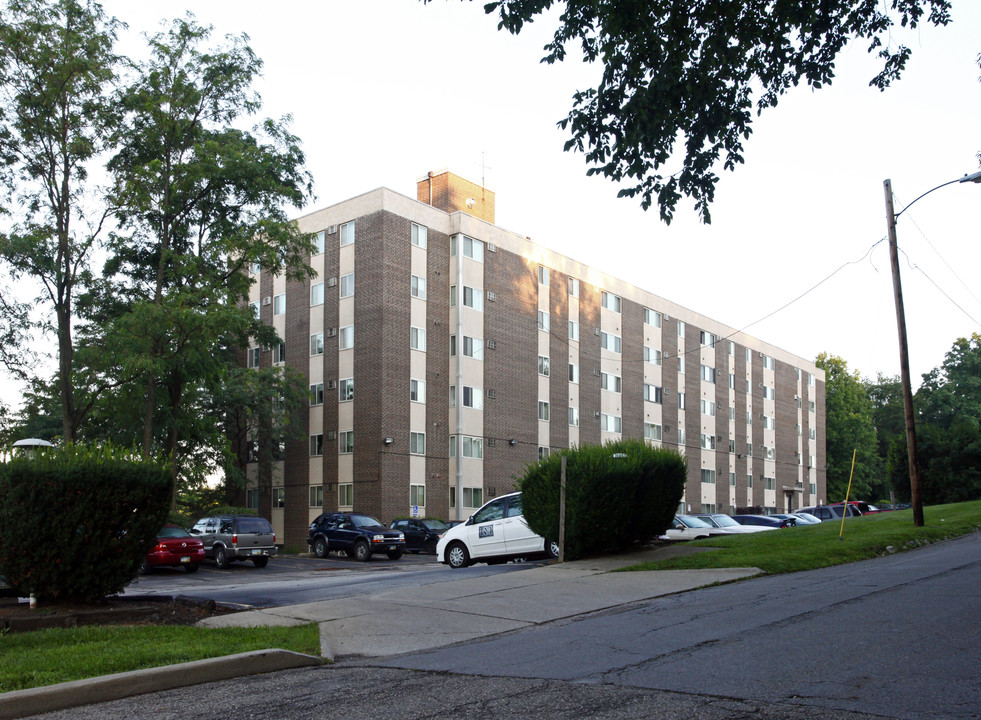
[{"x": 893, "y": 637}]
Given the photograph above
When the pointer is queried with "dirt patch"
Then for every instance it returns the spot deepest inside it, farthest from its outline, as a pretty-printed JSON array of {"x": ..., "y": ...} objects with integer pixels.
[{"x": 18, "y": 616}]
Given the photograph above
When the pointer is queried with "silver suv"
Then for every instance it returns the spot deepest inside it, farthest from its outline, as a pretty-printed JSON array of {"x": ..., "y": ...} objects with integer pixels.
[{"x": 236, "y": 537}]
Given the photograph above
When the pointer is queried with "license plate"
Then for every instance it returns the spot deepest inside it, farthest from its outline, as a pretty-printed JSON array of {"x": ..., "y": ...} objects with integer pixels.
[
  {"x": 186, "y": 559},
  {"x": 392, "y": 547},
  {"x": 257, "y": 552}
]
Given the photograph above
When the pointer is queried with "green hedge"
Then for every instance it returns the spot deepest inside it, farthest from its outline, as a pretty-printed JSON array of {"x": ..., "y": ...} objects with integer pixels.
[
  {"x": 75, "y": 522},
  {"x": 612, "y": 503}
]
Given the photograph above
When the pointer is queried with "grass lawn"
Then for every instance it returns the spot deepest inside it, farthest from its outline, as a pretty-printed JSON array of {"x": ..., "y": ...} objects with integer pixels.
[
  {"x": 806, "y": 547},
  {"x": 46, "y": 657}
]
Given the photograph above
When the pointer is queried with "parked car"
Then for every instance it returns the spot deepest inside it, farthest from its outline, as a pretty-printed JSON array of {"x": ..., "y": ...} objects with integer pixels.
[
  {"x": 765, "y": 520},
  {"x": 804, "y": 518},
  {"x": 421, "y": 534},
  {"x": 359, "y": 536},
  {"x": 725, "y": 522},
  {"x": 689, "y": 527},
  {"x": 824, "y": 513},
  {"x": 228, "y": 538},
  {"x": 496, "y": 533},
  {"x": 864, "y": 507},
  {"x": 175, "y": 547}
]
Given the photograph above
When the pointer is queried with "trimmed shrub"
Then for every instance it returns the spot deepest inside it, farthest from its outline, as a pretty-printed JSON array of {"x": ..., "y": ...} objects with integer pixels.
[
  {"x": 612, "y": 503},
  {"x": 75, "y": 523}
]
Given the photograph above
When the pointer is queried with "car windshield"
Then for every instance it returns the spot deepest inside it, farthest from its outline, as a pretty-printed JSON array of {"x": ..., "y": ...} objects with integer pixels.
[
  {"x": 364, "y": 521},
  {"x": 692, "y": 521},
  {"x": 434, "y": 525},
  {"x": 724, "y": 521},
  {"x": 171, "y": 531}
]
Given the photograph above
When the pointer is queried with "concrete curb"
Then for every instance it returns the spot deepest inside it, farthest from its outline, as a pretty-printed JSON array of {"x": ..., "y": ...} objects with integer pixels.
[{"x": 21, "y": 703}]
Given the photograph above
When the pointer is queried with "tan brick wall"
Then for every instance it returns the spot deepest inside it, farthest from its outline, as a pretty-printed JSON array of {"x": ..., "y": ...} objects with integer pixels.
[{"x": 452, "y": 193}]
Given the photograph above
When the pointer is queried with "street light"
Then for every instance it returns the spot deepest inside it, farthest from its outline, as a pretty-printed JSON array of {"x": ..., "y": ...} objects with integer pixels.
[{"x": 891, "y": 217}]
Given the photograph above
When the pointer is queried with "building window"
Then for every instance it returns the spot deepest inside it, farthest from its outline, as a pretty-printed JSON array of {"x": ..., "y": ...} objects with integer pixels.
[
  {"x": 610, "y": 382},
  {"x": 253, "y": 357},
  {"x": 749, "y": 480},
  {"x": 749, "y": 449},
  {"x": 345, "y": 389},
  {"x": 347, "y": 234},
  {"x": 732, "y": 381},
  {"x": 708, "y": 508},
  {"x": 574, "y": 330},
  {"x": 419, "y": 236},
  {"x": 653, "y": 393},
  {"x": 707, "y": 339},
  {"x": 573, "y": 373},
  {"x": 278, "y": 497},
  {"x": 345, "y": 337},
  {"x": 708, "y": 476},
  {"x": 319, "y": 242},
  {"x": 681, "y": 365},
  {"x": 769, "y": 483},
  {"x": 543, "y": 366},
  {"x": 810, "y": 379},
  {"x": 417, "y": 339},
  {"x": 652, "y": 317},
  {"x": 543, "y": 410},
  {"x": 279, "y": 353},
  {"x": 473, "y": 447},
  {"x": 345, "y": 442},
  {"x": 732, "y": 353},
  {"x": 542, "y": 275},
  {"x": 708, "y": 373},
  {"x": 252, "y": 498},
  {"x": 681, "y": 401},
  {"x": 732, "y": 445},
  {"x": 472, "y": 497},
  {"x": 317, "y": 294},
  {"x": 418, "y": 287},
  {"x": 316, "y": 496},
  {"x": 279, "y": 304},
  {"x": 472, "y": 297},
  {"x": 574, "y": 416},
  {"x": 542, "y": 453},
  {"x": 345, "y": 495},
  {"x": 417, "y": 495},
  {"x": 610, "y": 423},
  {"x": 810, "y": 406},
  {"x": 543, "y": 321},
  {"x": 472, "y": 397},
  {"x": 732, "y": 413},
  {"x": 708, "y": 442},
  {"x": 769, "y": 363},
  {"x": 254, "y": 307},
  {"x": 471, "y": 248},
  {"x": 316, "y": 445},
  {"x": 811, "y": 434},
  {"x": 317, "y": 344},
  {"x": 769, "y": 393},
  {"x": 317, "y": 394},
  {"x": 769, "y": 452},
  {"x": 417, "y": 391},
  {"x": 417, "y": 443},
  {"x": 652, "y": 431},
  {"x": 573, "y": 287},
  {"x": 255, "y": 268},
  {"x": 681, "y": 329},
  {"x": 769, "y": 422},
  {"x": 652, "y": 355},
  {"x": 812, "y": 488},
  {"x": 610, "y": 301},
  {"x": 610, "y": 342},
  {"x": 682, "y": 437},
  {"x": 732, "y": 479},
  {"x": 473, "y": 348},
  {"x": 347, "y": 285},
  {"x": 707, "y": 407}
]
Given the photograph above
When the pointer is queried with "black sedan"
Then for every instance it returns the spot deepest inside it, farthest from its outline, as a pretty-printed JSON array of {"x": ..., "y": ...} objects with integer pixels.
[
  {"x": 764, "y": 520},
  {"x": 421, "y": 534}
]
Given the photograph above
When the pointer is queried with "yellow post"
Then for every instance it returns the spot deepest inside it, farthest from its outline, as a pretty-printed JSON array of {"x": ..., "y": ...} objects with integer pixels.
[{"x": 844, "y": 510}]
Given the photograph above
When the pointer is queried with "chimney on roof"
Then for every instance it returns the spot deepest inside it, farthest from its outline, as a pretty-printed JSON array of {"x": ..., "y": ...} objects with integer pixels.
[{"x": 452, "y": 193}]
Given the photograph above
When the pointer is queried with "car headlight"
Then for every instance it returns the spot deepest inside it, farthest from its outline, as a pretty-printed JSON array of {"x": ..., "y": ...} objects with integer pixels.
[{"x": 377, "y": 538}]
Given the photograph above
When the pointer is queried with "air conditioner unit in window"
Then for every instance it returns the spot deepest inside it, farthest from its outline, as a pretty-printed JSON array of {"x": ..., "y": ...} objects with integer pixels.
[
  {"x": 331, "y": 384},
  {"x": 596, "y": 414},
  {"x": 329, "y": 487},
  {"x": 491, "y": 247},
  {"x": 331, "y": 332},
  {"x": 266, "y": 300},
  {"x": 491, "y": 394},
  {"x": 491, "y": 345},
  {"x": 331, "y": 229},
  {"x": 332, "y": 282},
  {"x": 596, "y": 332},
  {"x": 331, "y": 435},
  {"x": 492, "y": 296}
]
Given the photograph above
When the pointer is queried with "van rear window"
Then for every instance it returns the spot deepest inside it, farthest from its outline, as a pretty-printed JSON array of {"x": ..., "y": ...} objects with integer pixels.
[{"x": 254, "y": 525}]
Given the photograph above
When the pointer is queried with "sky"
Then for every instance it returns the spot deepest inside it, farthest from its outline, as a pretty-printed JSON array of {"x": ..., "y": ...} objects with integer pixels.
[{"x": 381, "y": 92}]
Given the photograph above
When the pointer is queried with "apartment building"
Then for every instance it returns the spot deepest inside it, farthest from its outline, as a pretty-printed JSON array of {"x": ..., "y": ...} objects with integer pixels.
[{"x": 443, "y": 354}]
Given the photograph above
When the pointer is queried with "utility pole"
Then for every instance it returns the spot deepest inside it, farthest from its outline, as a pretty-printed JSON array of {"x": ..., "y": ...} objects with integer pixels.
[{"x": 914, "y": 470}]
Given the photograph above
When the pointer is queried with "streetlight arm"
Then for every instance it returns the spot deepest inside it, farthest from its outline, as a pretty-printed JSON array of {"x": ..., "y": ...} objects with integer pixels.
[{"x": 973, "y": 177}]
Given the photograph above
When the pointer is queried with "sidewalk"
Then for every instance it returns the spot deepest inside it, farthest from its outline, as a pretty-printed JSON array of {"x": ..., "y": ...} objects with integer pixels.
[{"x": 395, "y": 622}]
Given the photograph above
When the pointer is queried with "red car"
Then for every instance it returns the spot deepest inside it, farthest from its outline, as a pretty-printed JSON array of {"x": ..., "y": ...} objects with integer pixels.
[{"x": 175, "y": 548}]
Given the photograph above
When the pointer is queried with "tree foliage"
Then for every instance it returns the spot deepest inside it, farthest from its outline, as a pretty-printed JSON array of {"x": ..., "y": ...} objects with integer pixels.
[
  {"x": 850, "y": 431},
  {"x": 684, "y": 78}
]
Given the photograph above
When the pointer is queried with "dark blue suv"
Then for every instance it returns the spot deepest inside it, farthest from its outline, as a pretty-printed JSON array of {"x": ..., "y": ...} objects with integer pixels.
[{"x": 358, "y": 535}]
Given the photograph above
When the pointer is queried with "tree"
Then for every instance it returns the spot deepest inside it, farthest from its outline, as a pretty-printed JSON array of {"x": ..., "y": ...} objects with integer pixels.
[
  {"x": 198, "y": 201},
  {"x": 850, "y": 431},
  {"x": 56, "y": 70},
  {"x": 889, "y": 418},
  {"x": 679, "y": 73}
]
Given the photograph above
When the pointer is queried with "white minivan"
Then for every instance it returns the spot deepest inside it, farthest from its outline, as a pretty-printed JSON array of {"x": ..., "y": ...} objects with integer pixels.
[{"x": 496, "y": 533}]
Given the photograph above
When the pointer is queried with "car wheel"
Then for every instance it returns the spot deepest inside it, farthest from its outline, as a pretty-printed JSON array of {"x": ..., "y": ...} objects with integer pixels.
[
  {"x": 144, "y": 567},
  {"x": 320, "y": 547},
  {"x": 221, "y": 558},
  {"x": 552, "y": 549},
  {"x": 457, "y": 556},
  {"x": 362, "y": 553},
  {"x": 191, "y": 568},
  {"x": 260, "y": 561},
  {"x": 395, "y": 554}
]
